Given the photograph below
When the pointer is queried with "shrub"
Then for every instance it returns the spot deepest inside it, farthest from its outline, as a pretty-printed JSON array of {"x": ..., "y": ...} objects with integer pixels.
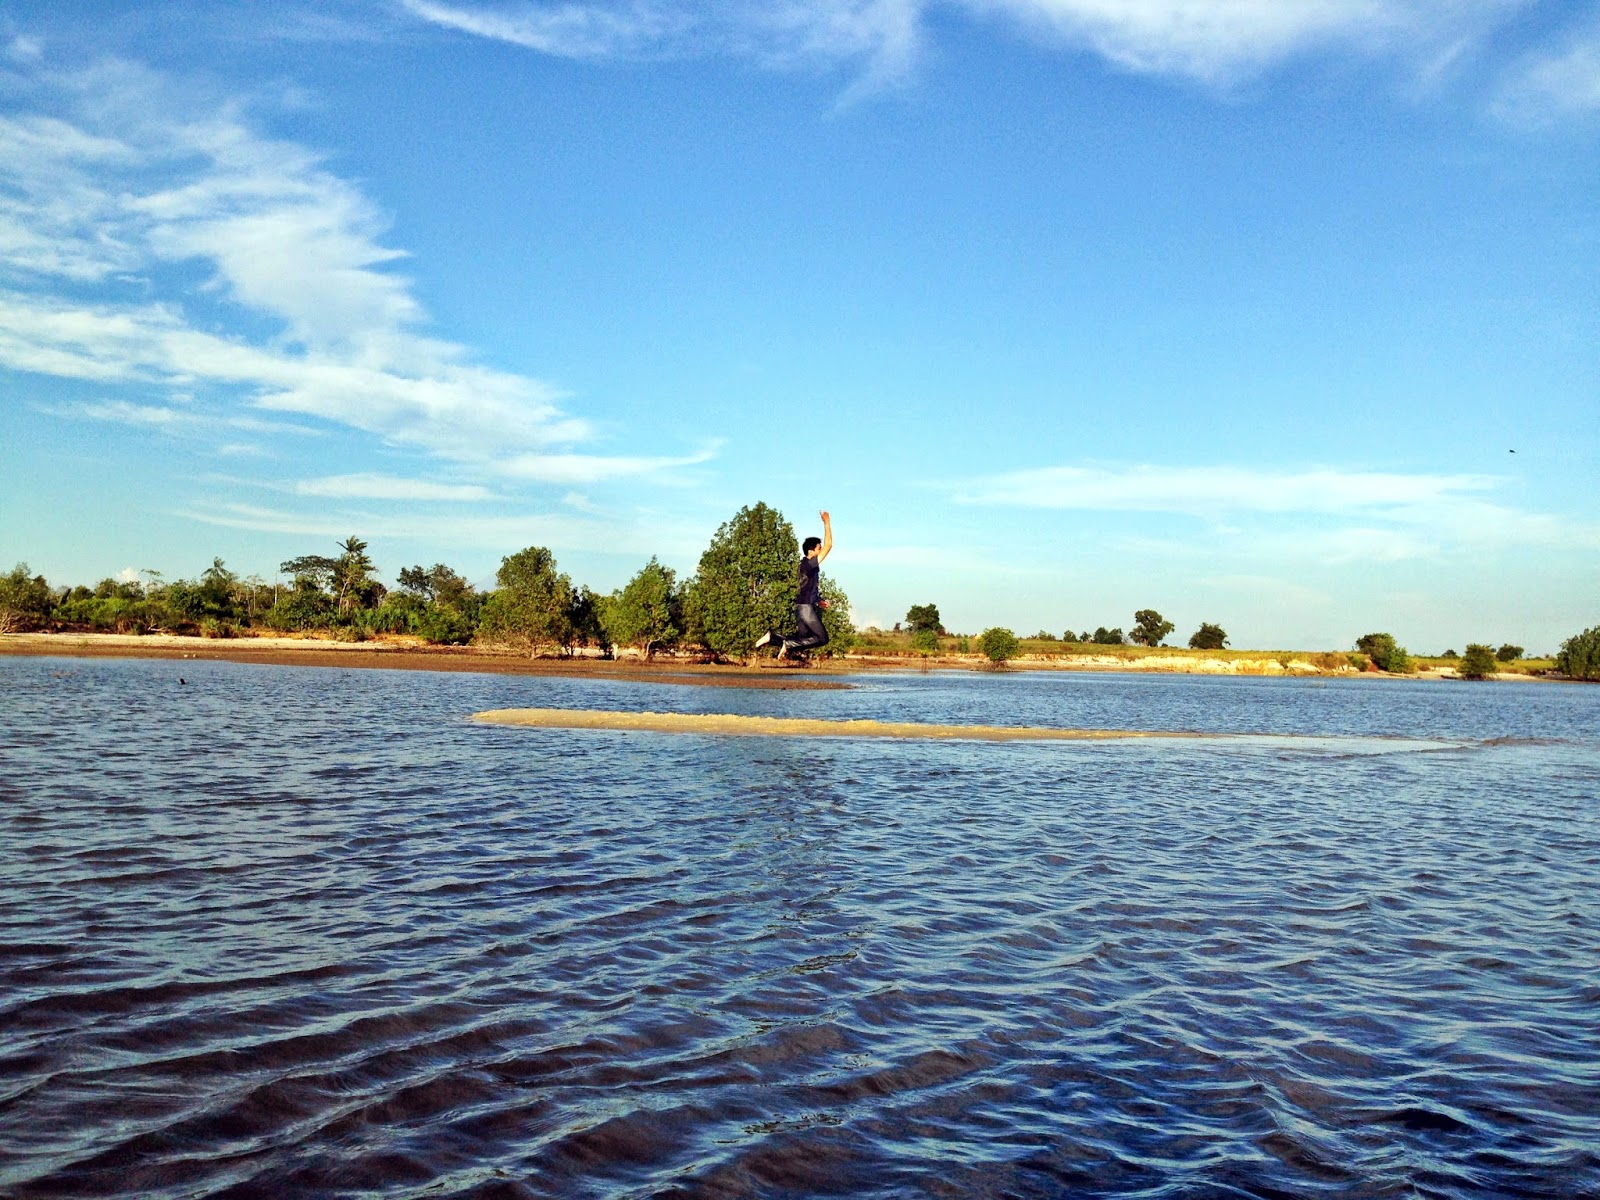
[
  {"x": 1383, "y": 650},
  {"x": 1579, "y": 657},
  {"x": 998, "y": 644},
  {"x": 443, "y": 626},
  {"x": 925, "y": 641},
  {"x": 1208, "y": 637},
  {"x": 1508, "y": 653},
  {"x": 1476, "y": 663}
]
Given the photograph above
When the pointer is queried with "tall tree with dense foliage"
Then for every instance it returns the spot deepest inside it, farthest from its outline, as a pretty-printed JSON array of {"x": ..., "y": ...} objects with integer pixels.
[
  {"x": 1149, "y": 629},
  {"x": 1208, "y": 637},
  {"x": 998, "y": 644},
  {"x": 924, "y": 616},
  {"x": 1579, "y": 657},
  {"x": 437, "y": 584},
  {"x": 532, "y": 606},
  {"x": 25, "y": 600},
  {"x": 1508, "y": 652},
  {"x": 1477, "y": 663},
  {"x": 746, "y": 581},
  {"x": 647, "y": 612}
]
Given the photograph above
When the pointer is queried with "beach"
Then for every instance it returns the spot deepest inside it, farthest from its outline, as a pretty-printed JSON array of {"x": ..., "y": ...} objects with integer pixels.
[{"x": 409, "y": 654}]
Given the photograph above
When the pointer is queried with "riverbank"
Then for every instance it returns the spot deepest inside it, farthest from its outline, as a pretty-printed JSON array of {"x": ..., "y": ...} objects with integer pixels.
[{"x": 399, "y": 653}]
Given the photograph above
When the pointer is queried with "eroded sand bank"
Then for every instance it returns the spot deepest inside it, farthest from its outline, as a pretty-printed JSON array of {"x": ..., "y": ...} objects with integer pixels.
[{"x": 727, "y": 723}]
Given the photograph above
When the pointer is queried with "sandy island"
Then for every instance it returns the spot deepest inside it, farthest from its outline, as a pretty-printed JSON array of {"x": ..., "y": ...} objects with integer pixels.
[{"x": 727, "y": 723}]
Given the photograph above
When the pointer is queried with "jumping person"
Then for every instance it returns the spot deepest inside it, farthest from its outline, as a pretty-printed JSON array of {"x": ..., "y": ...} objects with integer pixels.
[{"x": 809, "y": 632}]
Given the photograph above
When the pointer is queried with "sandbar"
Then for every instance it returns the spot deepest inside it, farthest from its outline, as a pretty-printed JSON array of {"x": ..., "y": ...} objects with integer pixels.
[{"x": 746, "y": 726}]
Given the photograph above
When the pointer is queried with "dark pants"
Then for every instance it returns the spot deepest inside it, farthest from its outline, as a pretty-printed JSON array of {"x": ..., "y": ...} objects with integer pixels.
[{"x": 809, "y": 633}]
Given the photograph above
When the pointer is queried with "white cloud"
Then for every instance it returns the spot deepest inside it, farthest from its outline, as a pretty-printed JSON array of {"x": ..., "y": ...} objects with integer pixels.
[
  {"x": 388, "y": 487},
  {"x": 560, "y": 531},
  {"x": 1211, "y": 40},
  {"x": 571, "y": 469},
  {"x": 116, "y": 183},
  {"x": 1215, "y": 491},
  {"x": 1554, "y": 84}
]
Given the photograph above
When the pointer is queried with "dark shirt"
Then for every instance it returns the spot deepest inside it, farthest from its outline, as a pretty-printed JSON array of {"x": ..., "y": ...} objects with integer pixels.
[{"x": 809, "y": 592}]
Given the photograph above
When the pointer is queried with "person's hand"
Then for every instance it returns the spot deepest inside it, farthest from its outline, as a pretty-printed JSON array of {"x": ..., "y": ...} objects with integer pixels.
[{"x": 824, "y": 516}]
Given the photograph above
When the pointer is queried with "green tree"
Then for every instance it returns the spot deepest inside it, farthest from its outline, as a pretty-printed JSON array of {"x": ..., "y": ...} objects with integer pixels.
[
  {"x": 1208, "y": 637},
  {"x": 836, "y": 619},
  {"x": 1148, "y": 627},
  {"x": 925, "y": 642},
  {"x": 437, "y": 584},
  {"x": 746, "y": 582},
  {"x": 304, "y": 606},
  {"x": 1508, "y": 653},
  {"x": 924, "y": 616},
  {"x": 219, "y": 592},
  {"x": 586, "y": 619},
  {"x": 347, "y": 577},
  {"x": 532, "y": 606},
  {"x": 25, "y": 601},
  {"x": 1579, "y": 656},
  {"x": 1106, "y": 637},
  {"x": 1385, "y": 653},
  {"x": 1477, "y": 662},
  {"x": 998, "y": 644},
  {"x": 647, "y": 612}
]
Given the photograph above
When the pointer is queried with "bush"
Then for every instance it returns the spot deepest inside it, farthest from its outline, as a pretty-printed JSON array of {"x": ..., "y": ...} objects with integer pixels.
[
  {"x": 1508, "y": 653},
  {"x": 1208, "y": 637},
  {"x": 1579, "y": 657},
  {"x": 443, "y": 626},
  {"x": 998, "y": 644},
  {"x": 24, "y": 600},
  {"x": 1384, "y": 652},
  {"x": 925, "y": 641},
  {"x": 1477, "y": 662}
]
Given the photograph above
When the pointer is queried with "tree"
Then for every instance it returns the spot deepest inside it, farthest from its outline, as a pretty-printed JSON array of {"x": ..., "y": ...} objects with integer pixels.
[
  {"x": 647, "y": 612},
  {"x": 532, "y": 605},
  {"x": 925, "y": 642},
  {"x": 1105, "y": 637},
  {"x": 347, "y": 577},
  {"x": 835, "y": 619},
  {"x": 924, "y": 616},
  {"x": 437, "y": 584},
  {"x": 1477, "y": 662},
  {"x": 1385, "y": 653},
  {"x": 1508, "y": 653},
  {"x": 746, "y": 581},
  {"x": 586, "y": 619},
  {"x": 25, "y": 601},
  {"x": 1208, "y": 637},
  {"x": 1148, "y": 627},
  {"x": 1579, "y": 657},
  {"x": 998, "y": 644}
]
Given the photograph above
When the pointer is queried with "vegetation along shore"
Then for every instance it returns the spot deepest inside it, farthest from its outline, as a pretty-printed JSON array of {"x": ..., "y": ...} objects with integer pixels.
[{"x": 333, "y": 609}]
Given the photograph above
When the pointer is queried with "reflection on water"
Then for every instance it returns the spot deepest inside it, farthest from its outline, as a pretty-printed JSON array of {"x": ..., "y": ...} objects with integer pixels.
[{"x": 276, "y": 932}]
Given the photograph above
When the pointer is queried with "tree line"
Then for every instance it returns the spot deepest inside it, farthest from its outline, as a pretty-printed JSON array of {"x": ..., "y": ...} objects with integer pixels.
[{"x": 745, "y": 584}]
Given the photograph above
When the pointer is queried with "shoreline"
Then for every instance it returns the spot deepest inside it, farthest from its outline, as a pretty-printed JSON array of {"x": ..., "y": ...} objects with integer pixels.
[{"x": 410, "y": 655}]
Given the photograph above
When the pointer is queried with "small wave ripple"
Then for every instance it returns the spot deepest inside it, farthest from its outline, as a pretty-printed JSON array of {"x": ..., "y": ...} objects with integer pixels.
[{"x": 299, "y": 933}]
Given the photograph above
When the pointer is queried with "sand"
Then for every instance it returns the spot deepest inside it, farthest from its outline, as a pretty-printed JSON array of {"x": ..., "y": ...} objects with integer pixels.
[{"x": 726, "y": 723}]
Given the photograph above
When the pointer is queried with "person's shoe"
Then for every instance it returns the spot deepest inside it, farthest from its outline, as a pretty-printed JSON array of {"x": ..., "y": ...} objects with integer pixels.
[{"x": 766, "y": 639}]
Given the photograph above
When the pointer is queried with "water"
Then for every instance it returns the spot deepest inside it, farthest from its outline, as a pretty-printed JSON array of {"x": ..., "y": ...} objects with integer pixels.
[{"x": 273, "y": 932}]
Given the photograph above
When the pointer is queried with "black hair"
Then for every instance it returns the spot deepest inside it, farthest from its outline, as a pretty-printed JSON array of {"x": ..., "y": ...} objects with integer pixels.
[{"x": 810, "y": 544}]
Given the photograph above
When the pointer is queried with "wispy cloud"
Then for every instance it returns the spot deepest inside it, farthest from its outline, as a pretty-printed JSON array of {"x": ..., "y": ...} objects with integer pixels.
[
  {"x": 1560, "y": 82},
  {"x": 1209, "y": 40},
  {"x": 1214, "y": 492},
  {"x": 194, "y": 233},
  {"x": 388, "y": 487}
]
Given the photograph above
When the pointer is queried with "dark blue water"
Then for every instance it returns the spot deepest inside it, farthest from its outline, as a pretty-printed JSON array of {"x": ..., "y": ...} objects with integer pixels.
[{"x": 278, "y": 932}]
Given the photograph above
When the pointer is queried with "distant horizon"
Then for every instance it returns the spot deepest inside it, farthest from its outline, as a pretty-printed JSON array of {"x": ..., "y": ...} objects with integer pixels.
[{"x": 1280, "y": 318}]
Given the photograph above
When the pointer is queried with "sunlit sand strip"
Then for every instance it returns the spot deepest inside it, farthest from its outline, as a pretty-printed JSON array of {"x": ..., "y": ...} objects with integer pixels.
[{"x": 726, "y": 723}]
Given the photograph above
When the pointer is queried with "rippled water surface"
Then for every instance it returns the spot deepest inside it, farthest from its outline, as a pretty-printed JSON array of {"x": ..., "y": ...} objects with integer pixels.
[{"x": 287, "y": 932}]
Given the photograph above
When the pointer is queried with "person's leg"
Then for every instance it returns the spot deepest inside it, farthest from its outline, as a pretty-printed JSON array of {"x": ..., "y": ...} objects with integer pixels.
[{"x": 809, "y": 632}]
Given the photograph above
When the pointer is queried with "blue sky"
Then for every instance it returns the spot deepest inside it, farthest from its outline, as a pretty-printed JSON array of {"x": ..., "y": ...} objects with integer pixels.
[{"x": 1282, "y": 316}]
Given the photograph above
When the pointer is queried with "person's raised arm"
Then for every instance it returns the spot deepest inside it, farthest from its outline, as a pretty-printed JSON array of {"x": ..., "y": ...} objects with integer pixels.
[{"x": 827, "y": 536}]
